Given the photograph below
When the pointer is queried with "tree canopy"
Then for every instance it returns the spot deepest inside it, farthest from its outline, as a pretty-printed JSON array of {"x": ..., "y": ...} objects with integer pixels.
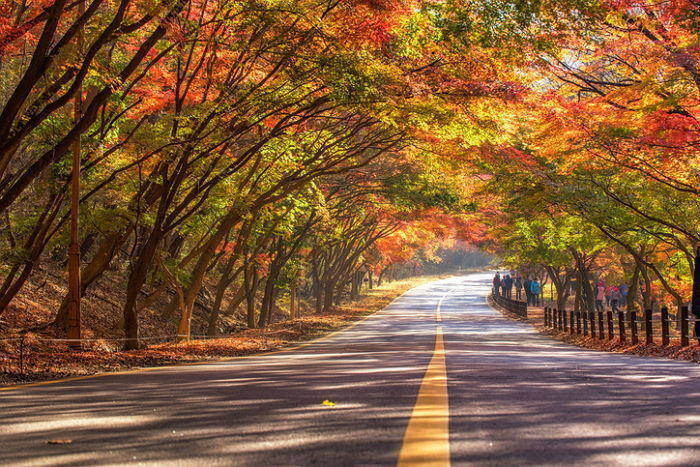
[{"x": 244, "y": 149}]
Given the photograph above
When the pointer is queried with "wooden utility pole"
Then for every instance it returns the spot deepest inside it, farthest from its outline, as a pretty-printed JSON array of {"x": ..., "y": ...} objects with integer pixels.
[
  {"x": 292, "y": 302},
  {"x": 74, "y": 248}
]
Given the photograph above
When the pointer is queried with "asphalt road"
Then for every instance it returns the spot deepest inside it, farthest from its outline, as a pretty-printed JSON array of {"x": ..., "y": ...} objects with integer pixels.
[{"x": 515, "y": 397}]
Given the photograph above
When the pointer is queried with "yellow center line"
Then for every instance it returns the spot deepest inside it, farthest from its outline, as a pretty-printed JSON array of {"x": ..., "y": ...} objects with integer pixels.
[{"x": 427, "y": 438}]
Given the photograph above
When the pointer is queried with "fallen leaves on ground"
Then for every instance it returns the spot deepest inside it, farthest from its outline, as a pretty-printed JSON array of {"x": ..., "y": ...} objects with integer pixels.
[
  {"x": 48, "y": 361},
  {"x": 673, "y": 351}
]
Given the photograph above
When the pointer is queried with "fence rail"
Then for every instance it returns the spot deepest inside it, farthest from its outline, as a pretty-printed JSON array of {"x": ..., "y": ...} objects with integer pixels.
[
  {"x": 514, "y": 306},
  {"x": 625, "y": 326},
  {"x": 16, "y": 352}
]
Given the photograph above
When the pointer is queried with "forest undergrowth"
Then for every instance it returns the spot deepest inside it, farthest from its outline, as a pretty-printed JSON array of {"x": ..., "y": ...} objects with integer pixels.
[{"x": 49, "y": 360}]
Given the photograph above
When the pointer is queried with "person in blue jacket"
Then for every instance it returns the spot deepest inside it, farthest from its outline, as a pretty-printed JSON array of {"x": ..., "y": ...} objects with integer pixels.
[
  {"x": 624, "y": 290},
  {"x": 535, "y": 291}
]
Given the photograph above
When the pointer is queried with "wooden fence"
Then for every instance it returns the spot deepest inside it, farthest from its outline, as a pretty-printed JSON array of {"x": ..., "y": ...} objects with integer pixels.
[
  {"x": 514, "y": 306},
  {"x": 625, "y": 326}
]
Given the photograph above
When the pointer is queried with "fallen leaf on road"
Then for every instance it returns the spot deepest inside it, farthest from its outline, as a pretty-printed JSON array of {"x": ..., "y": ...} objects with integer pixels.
[
  {"x": 328, "y": 403},
  {"x": 60, "y": 441}
]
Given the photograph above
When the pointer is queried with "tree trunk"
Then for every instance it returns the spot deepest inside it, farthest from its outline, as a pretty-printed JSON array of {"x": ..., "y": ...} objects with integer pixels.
[
  {"x": 250, "y": 282},
  {"x": 355, "y": 286},
  {"x": 328, "y": 295},
  {"x": 200, "y": 269},
  {"x": 292, "y": 302},
  {"x": 319, "y": 299},
  {"x": 92, "y": 272},
  {"x": 136, "y": 280},
  {"x": 265, "y": 304},
  {"x": 561, "y": 284},
  {"x": 632, "y": 291},
  {"x": 646, "y": 292},
  {"x": 380, "y": 279},
  {"x": 221, "y": 288},
  {"x": 273, "y": 304},
  {"x": 587, "y": 295}
]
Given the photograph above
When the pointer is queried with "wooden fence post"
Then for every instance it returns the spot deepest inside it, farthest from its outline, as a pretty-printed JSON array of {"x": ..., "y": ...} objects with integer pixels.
[
  {"x": 553, "y": 318},
  {"x": 648, "y": 327},
  {"x": 633, "y": 327},
  {"x": 601, "y": 326},
  {"x": 564, "y": 320},
  {"x": 591, "y": 318},
  {"x": 560, "y": 325},
  {"x": 544, "y": 314},
  {"x": 611, "y": 327},
  {"x": 572, "y": 328},
  {"x": 665, "y": 338},
  {"x": 578, "y": 323},
  {"x": 21, "y": 354},
  {"x": 292, "y": 302},
  {"x": 684, "y": 327},
  {"x": 621, "y": 325},
  {"x": 584, "y": 318}
]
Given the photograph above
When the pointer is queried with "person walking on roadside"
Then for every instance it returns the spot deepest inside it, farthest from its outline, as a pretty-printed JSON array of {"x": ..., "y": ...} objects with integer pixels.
[
  {"x": 508, "y": 286},
  {"x": 536, "y": 290},
  {"x": 624, "y": 290},
  {"x": 497, "y": 283},
  {"x": 528, "y": 291},
  {"x": 615, "y": 299},
  {"x": 599, "y": 296},
  {"x": 518, "y": 283},
  {"x": 608, "y": 291}
]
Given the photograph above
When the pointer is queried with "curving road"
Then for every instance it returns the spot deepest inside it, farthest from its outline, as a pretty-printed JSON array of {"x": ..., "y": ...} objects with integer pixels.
[{"x": 437, "y": 376}]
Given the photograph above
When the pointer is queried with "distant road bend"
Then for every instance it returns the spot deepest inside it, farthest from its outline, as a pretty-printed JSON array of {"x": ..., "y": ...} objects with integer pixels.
[{"x": 436, "y": 378}]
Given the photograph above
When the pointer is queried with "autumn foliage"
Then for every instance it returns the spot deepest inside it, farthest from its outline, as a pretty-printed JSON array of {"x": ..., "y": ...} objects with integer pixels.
[{"x": 236, "y": 156}]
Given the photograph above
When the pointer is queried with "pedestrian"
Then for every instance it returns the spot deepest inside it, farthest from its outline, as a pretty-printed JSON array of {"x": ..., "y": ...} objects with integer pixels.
[
  {"x": 497, "y": 283},
  {"x": 518, "y": 287},
  {"x": 527, "y": 285},
  {"x": 615, "y": 299},
  {"x": 624, "y": 290},
  {"x": 608, "y": 291},
  {"x": 535, "y": 289},
  {"x": 508, "y": 286},
  {"x": 599, "y": 296}
]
